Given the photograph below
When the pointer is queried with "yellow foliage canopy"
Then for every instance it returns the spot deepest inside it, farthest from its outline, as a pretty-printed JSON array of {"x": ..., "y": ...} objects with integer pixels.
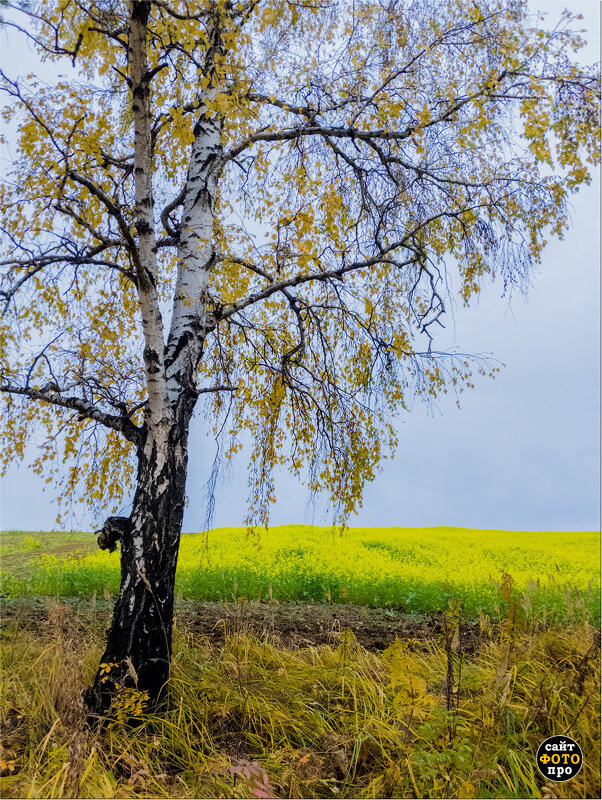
[{"x": 373, "y": 158}]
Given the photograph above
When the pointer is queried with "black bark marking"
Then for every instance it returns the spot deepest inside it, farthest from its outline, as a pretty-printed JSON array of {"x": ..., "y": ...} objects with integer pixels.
[
  {"x": 203, "y": 195},
  {"x": 211, "y": 262},
  {"x": 141, "y": 10},
  {"x": 182, "y": 342},
  {"x": 142, "y": 226},
  {"x": 151, "y": 357}
]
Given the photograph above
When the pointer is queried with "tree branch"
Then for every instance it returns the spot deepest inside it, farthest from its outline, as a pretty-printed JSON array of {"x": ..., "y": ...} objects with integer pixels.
[
  {"x": 349, "y": 131},
  {"x": 325, "y": 275},
  {"x": 121, "y": 423},
  {"x": 111, "y": 206},
  {"x": 177, "y": 201},
  {"x": 216, "y": 389}
]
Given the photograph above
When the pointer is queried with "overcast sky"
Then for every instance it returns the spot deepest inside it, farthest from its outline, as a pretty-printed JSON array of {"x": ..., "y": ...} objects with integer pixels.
[{"x": 521, "y": 453}]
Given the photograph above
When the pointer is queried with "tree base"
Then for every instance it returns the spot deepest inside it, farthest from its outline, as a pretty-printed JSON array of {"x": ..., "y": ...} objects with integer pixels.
[{"x": 120, "y": 693}]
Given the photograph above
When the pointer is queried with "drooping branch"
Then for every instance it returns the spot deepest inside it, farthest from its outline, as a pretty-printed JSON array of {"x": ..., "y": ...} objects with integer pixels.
[
  {"x": 111, "y": 205},
  {"x": 313, "y": 128},
  {"x": 296, "y": 353},
  {"x": 57, "y": 49},
  {"x": 292, "y": 107},
  {"x": 121, "y": 423},
  {"x": 63, "y": 207},
  {"x": 182, "y": 16},
  {"x": 297, "y": 280},
  {"x": 34, "y": 265},
  {"x": 9, "y": 293}
]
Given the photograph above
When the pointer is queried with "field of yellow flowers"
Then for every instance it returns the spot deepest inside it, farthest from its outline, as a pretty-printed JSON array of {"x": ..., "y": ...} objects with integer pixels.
[{"x": 417, "y": 570}]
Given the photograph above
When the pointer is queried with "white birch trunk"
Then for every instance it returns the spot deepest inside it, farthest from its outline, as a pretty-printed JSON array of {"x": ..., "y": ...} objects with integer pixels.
[
  {"x": 152, "y": 323},
  {"x": 140, "y": 633},
  {"x": 195, "y": 258}
]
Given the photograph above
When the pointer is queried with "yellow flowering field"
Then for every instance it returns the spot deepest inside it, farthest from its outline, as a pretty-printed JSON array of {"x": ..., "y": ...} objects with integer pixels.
[{"x": 556, "y": 574}]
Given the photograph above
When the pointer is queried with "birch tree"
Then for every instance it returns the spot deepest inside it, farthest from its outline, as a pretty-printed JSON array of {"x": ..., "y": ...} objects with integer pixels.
[{"x": 262, "y": 210}]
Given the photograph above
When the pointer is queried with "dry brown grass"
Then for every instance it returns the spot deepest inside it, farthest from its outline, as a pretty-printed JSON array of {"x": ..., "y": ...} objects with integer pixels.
[{"x": 254, "y": 719}]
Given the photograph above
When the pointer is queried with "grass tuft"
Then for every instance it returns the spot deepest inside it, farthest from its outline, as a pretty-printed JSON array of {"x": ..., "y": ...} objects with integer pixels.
[{"x": 250, "y": 718}]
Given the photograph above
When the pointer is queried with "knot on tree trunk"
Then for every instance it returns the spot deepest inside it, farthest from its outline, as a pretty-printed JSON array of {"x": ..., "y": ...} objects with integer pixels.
[{"x": 114, "y": 529}]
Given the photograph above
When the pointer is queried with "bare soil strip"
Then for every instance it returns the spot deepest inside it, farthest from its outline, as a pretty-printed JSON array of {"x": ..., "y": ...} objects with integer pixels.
[{"x": 293, "y": 625}]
